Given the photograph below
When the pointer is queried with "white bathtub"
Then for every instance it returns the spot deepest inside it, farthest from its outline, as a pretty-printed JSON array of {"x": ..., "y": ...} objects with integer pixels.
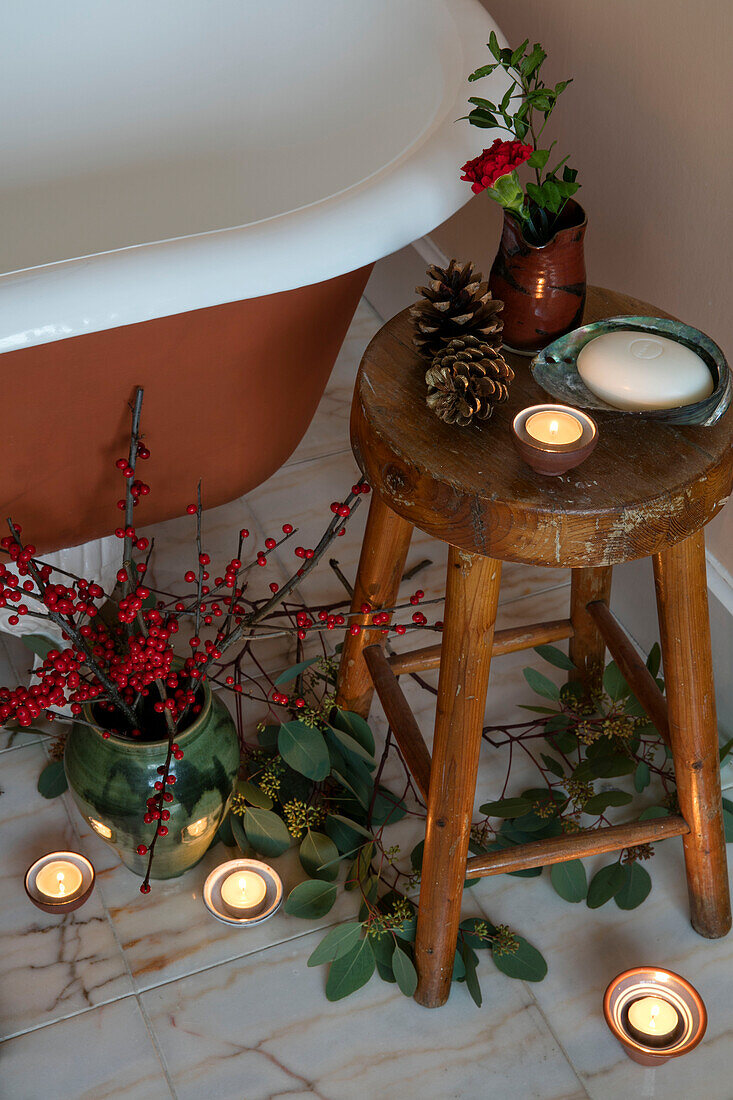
[
  {"x": 192, "y": 194},
  {"x": 168, "y": 155}
]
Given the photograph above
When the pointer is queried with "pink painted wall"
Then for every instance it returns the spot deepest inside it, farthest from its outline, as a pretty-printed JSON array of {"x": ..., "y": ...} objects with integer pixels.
[{"x": 648, "y": 121}]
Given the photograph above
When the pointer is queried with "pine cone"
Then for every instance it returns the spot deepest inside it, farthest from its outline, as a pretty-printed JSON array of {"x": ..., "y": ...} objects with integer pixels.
[
  {"x": 456, "y": 303},
  {"x": 467, "y": 379}
]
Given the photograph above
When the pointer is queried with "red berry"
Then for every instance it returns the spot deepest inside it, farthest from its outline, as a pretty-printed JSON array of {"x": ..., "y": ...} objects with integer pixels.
[
  {"x": 274, "y": 587},
  {"x": 270, "y": 544},
  {"x": 287, "y": 528},
  {"x": 354, "y": 629},
  {"x": 162, "y": 830},
  {"x": 145, "y": 888},
  {"x": 189, "y": 577},
  {"x": 191, "y": 509},
  {"x": 142, "y": 849},
  {"x": 244, "y": 533}
]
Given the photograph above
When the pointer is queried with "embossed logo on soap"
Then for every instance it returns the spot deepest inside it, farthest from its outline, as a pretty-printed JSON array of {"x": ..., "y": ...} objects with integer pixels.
[{"x": 646, "y": 348}]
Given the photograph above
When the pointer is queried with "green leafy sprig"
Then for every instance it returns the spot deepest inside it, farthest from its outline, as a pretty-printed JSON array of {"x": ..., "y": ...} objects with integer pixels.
[{"x": 527, "y": 100}]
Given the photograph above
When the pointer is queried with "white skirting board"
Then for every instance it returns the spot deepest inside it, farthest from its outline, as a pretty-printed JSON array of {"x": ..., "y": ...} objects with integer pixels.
[{"x": 392, "y": 288}]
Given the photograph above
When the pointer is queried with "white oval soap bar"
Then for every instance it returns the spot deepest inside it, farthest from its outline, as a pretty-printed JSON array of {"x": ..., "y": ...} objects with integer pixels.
[{"x": 638, "y": 370}]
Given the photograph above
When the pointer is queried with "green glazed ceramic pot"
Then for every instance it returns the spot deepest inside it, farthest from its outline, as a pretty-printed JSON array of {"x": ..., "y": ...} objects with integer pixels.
[{"x": 112, "y": 778}]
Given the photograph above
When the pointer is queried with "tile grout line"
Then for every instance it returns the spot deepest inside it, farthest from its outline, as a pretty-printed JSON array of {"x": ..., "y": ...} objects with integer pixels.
[
  {"x": 557, "y": 1039},
  {"x": 123, "y": 955},
  {"x": 237, "y": 958}
]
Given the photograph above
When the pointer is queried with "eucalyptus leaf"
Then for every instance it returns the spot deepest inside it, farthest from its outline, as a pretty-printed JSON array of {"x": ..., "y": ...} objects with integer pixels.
[
  {"x": 541, "y": 684},
  {"x": 506, "y": 807},
  {"x": 319, "y": 856},
  {"x": 605, "y": 884},
  {"x": 387, "y": 808},
  {"x": 526, "y": 963},
  {"x": 725, "y": 750},
  {"x": 652, "y": 812},
  {"x": 338, "y": 942},
  {"x": 404, "y": 971},
  {"x": 304, "y": 749},
  {"x": 238, "y": 835},
  {"x": 52, "y": 780},
  {"x": 654, "y": 659},
  {"x": 350, "y": 971},
  {"x": 267, "y": 737},
  {"x": 635, "y": 888},
  {"x": 345, "y": 833},
  {"x": 224, "y": 832},
  {"x": 266, "y": 832},
  {"x": 607, "y": 765},
  {"x": 358, "y": 788},
  {"x": 468, "y": 927},
  {"x": 39, "y": 644},
  {"x": 252, "y": 794},
  {"x": 356, "y": 727},
  {"x": 569, "y": 880},
  {"x": 553, "y": 765},
  {"x": 311, "y": 899},
  {"x": 294, "y": 671},
  {"x": 613, "y": 682},
  {"x": 599, "y": 803},
  {"x": 551, "y": 653},
  {"x": 642, "y": 776},
  {"x": 470, "y": 963},
  {"x": 728, "y": 819},
  {"x": 352, "y": 745}
]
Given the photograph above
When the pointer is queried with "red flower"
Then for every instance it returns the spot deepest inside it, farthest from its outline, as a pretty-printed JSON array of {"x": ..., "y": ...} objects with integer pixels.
[{"x": 503, "y": 156}]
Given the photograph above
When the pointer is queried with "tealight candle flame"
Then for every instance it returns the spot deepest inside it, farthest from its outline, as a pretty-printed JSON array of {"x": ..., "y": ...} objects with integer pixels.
[
  {"x": 554, "y": 427},
  {"x": 60, "y": 880}
]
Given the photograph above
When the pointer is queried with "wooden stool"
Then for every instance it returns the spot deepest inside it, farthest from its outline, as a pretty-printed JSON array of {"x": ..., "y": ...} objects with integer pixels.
[{"x": 648, "y": 489}]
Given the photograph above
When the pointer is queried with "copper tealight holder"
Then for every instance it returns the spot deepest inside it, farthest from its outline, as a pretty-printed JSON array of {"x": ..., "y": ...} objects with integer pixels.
[
  {"x": 554, "y": 458},
  {"x": 651, "y": 981}
]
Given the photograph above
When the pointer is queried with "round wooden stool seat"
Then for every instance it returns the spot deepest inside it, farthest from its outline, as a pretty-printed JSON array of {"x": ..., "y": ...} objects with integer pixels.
[{"x": 647, "y": 485}]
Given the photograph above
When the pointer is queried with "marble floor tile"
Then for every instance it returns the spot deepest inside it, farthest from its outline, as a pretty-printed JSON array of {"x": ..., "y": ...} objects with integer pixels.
[
  {"x": 169, "y": 932},
  {"x": 104, "y": 1054},
  {"x": 49, "y": 966},
  {"x": 375, "y": 1043}
]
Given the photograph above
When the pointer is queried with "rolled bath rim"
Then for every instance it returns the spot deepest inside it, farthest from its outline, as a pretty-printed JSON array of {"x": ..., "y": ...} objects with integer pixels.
[{"x": 379, "y": 213}]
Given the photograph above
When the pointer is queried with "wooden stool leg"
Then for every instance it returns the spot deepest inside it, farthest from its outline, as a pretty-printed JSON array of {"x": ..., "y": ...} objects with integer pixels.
[
  {"x": 682, "y": 601},
  {"x": 587, "y": 648},
  {"x": 381, "y": 565},
  {"x": 472, "y": 594}
]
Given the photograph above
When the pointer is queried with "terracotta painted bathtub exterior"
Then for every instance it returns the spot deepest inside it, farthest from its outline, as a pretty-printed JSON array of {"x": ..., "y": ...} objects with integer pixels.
[{"x": 229, "y": 392}]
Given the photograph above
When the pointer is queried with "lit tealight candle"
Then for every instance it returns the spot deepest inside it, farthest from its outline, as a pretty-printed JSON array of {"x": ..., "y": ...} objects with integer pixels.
[
  {"x": 554, "y": 427},
  {"x": 243, "y": 892},
  {"x": 59, "y": 880},
  {"x": 653, "y": 1021},
  {"x": 553, "y": 439},
  {"x": 636, "y": 370}
]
